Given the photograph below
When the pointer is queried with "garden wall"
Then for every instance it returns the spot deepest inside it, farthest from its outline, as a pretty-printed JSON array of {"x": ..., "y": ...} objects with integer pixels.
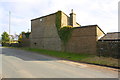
[{"x": 108, "y": 48}]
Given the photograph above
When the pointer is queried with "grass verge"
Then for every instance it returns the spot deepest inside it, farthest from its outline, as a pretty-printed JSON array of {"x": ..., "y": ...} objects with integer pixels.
[{"x": 83, "y": 57}]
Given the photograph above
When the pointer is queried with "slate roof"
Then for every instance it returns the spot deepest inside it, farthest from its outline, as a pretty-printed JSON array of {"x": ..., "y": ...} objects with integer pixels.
[{"x": 113, "y": 36}]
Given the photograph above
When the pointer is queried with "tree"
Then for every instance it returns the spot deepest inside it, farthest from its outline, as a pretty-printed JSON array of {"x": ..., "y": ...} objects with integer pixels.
[
  {"x": 5, "y": 37},
  {"x": 20, "y": 36}
]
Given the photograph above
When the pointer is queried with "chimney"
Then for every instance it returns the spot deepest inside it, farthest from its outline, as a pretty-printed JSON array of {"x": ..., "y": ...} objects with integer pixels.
[{"x": 72, "y": 18}]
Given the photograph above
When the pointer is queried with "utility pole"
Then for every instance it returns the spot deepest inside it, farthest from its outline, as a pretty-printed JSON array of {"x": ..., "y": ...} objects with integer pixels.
[
  {"x": 28, "y": 30},
  {"x": 9, "y": 25}
]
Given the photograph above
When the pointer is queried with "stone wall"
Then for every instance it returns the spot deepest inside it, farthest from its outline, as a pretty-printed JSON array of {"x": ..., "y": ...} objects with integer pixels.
[
  {"x": 108, "y": 48},
  {"x": 64, "y": 20},
  {"x": 44, "y": 33},
  {"x": 83, "y": 40},
  {"x": 25, "y": 42},
  {"x": 99, "y": 33}
]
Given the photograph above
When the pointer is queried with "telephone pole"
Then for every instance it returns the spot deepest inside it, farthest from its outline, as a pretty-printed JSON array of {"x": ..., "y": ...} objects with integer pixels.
[
  {"x": 9, "y": 21},
  {"x": 9, "y": 25}
]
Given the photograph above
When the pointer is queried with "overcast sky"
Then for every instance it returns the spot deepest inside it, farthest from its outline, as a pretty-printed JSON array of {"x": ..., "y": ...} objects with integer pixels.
[{"x": 104, "y": 13}]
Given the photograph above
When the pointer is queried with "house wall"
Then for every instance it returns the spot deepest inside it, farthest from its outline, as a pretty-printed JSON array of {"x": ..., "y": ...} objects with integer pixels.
[
  {"x": 83, "y": 40},
  {"x": 100, "y": 33},
  {"x": 44, "y": 33},
  {"x": 64, "y": 20}
]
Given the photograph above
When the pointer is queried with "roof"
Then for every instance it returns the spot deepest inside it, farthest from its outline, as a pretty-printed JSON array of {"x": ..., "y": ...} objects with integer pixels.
[
  {"x": 43, "y": 16},
  {"x": 52, "y": 14},
  {"x": 84, "y": 26},
  {"x": 68, "y": 17},
  {"x": 112, "y": 36},
  {"x": 90, "y": 26}
]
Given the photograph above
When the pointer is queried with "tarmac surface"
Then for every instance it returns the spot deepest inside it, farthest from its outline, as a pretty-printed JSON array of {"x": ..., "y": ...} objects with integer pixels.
[{"x": 16, "y": 63}]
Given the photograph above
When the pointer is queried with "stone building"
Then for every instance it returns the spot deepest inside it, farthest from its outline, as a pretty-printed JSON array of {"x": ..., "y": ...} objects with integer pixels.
[
  {"x": 111, "y": 36},
  {"x": 108, "y": 45},
  {"x": 44, "y": 34}
]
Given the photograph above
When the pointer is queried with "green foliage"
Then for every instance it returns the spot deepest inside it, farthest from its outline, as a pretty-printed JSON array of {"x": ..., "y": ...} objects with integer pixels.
[
  {"x": 58, "y": 20},
  {"x": 65, "y": 32},
  {"x": 20, "y": 36},
  {"x": 65, "y": 55},
  {"x": 23, "y": 32},
  {"x": 82, "y": 57},
  {"x": 5, "y": 37},
  {"x": 27, "y": 34}
]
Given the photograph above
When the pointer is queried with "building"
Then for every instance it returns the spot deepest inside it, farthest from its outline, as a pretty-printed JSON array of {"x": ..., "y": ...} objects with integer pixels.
[
  {"x": 108, "y": 45},
  {"x": 45, "y": 34},
  {"x": 112, "y": 36}
]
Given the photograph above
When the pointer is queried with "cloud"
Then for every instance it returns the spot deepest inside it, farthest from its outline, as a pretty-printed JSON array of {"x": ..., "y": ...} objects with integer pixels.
[{"x": 89, "y": 12}]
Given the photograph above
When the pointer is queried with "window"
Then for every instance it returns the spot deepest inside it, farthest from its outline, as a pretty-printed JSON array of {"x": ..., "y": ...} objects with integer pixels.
[{"x": 40, "y": 20}]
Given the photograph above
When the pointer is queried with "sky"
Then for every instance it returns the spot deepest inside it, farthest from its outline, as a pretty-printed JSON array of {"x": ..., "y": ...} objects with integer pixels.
[{"x": 104, "y": 13}]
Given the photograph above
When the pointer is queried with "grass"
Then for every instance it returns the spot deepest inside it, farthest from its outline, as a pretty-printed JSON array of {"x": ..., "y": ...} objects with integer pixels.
[
  {"x": 108, "y": 61},
  {"x": 64, "y": 55},
  {"x": 83, "y": 57}
]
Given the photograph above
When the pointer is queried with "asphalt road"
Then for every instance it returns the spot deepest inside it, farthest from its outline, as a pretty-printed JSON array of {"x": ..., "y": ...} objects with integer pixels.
[{"x": 16, "y": 63}]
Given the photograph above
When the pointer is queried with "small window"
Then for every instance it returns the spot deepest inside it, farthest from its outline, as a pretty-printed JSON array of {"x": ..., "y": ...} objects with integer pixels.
[{"x": 40, "y": 20}]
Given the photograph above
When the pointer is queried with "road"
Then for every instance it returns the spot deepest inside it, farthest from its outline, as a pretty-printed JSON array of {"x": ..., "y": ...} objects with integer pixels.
[{"x": 23, "y": 64}]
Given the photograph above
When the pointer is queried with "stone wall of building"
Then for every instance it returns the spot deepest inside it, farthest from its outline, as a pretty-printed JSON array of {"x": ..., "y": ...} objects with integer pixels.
[
  {"x": 64, "y": 20},
  {"x": 44, "y": 33},
  {"x": 83, "y": 40},
  {"x": 99, "y": 33}
]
